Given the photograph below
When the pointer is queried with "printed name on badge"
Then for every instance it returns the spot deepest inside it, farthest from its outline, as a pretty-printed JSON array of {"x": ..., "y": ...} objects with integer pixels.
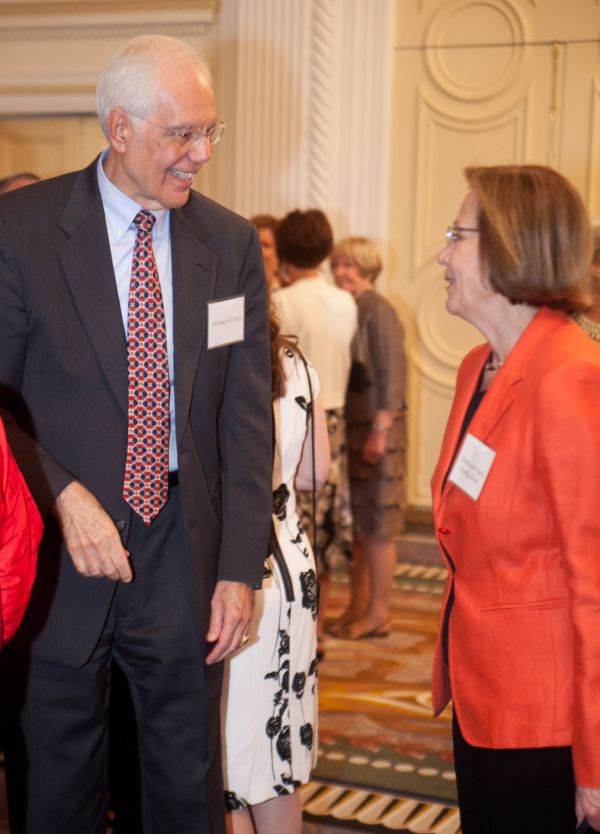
[
  {"x": 226, "y": 321},
  {"x": 472, "y": 466}
]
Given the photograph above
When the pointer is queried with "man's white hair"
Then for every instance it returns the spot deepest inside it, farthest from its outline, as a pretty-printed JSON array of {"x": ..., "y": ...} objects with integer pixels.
[{"x": 132, "y": 78}]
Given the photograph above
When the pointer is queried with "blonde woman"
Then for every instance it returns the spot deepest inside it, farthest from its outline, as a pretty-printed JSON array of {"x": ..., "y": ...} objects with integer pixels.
[{"x": 376, "y": 440}]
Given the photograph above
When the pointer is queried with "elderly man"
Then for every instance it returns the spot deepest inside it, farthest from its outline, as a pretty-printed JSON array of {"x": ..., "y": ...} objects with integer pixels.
[{"x": 135, "y": 380}]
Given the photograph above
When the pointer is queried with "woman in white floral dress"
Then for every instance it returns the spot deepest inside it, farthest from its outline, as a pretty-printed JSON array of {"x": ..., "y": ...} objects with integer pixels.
[{"x": 269, "y": 703}]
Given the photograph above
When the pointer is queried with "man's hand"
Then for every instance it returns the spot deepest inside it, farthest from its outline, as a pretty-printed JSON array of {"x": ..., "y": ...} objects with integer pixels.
[
  {"x": 90, "y": 535},
  {"x": 587, "y": 806},
  {"x": 231, "y": 611}
]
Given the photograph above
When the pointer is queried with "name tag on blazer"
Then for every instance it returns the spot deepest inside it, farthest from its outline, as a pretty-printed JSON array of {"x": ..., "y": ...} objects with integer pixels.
[
  {"x": 472, "y": 466},
  {"x": 226, "y": 321}
]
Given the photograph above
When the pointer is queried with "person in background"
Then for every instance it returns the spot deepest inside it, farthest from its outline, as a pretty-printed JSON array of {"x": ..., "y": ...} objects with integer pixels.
[
  {"x": 143, "y": 430},
  {"x": 269, "y": 701},
  {"x": 589, "y": 320},
  {"x": 376, "y": 429},
  {"x": 266, "y": 225},
  {"x": 323, "y": 318},
  {"x": 515, "y": 503},
  {"x": 14, "y": 181}
]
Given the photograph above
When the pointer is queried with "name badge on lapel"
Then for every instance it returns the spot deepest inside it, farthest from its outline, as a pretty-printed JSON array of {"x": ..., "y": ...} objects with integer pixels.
[
  {"x": 226, "y": 321},
  {"x": 472, "y": 466}
]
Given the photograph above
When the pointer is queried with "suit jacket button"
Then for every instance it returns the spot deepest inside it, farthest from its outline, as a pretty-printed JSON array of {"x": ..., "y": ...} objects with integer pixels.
[
  {"x": 120, "y": 525},
  {"x": 443, "y": 531}
]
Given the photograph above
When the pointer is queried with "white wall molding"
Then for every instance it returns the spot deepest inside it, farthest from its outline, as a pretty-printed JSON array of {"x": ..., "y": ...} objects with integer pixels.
[
  {"x": 125, "y": 24},
  {"x": 312, "y": 110},
  {"x": 52, "y": 52}
]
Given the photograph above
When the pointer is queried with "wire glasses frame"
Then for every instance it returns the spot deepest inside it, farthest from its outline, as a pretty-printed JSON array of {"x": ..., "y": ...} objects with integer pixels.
[
  {"x": 187, "y": 137},
  {"x": 453, "y": 232}
]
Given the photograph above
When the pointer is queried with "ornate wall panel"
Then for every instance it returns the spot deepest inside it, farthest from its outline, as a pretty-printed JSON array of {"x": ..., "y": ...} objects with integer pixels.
[
  {"x": 476, "y": 82},
  {"x": 467, "y": 137},
  {"x": 453, "y": 69}
]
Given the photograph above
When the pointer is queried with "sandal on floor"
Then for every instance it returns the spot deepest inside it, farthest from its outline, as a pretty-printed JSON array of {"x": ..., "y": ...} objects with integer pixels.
[{"x": 381, "y": 630}]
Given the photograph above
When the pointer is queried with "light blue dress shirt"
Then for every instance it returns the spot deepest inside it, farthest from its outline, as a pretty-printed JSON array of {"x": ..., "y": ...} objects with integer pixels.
[{"x": 119, "y": 211}]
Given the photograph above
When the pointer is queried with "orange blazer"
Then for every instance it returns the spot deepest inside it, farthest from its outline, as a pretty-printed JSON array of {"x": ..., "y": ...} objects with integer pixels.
[{"x": 523, "y": 666}]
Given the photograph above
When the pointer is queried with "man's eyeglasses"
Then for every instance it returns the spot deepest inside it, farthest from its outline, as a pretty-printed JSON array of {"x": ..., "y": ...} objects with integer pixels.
[
  {"x": 453, "y": 232},
  {"x": 187, "y": 138}
]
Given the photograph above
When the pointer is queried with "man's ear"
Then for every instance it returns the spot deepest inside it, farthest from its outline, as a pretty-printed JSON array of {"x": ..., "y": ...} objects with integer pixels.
[{"x": 120, "y": 129}]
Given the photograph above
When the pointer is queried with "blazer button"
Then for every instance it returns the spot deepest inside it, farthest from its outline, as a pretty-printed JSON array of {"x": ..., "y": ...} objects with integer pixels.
[
  {"x": 443, "y": 531},
  {"x": 120, "y": 525}
]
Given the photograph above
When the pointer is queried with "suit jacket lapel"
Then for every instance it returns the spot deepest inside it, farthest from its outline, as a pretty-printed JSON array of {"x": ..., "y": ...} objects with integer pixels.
[
  {"x": 194, "y": 284},
  {"x": 86, "y": 261}
]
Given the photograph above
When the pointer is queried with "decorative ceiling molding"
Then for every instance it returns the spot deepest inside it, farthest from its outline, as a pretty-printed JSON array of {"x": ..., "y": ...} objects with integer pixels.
[
  {"x": 52, "y": 52},
  {"x": 35, "y": 8},
  {"x": 94, "y": 18}
]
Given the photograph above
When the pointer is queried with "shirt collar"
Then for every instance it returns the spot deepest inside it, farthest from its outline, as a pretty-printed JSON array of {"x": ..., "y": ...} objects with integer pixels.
[{"x": 119, "y": 209}]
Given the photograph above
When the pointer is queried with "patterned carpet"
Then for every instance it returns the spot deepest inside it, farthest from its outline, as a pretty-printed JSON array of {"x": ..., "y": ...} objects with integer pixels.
[{"x": 384, "y": 762}]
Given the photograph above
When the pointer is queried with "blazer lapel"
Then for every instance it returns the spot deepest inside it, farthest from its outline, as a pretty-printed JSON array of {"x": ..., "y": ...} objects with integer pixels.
[
  {"x": 468, "y": 379},
  {"x": 194, "y": 284},
  {"x": 86, "y": 261},
  {"x": 500, "y": 395}
]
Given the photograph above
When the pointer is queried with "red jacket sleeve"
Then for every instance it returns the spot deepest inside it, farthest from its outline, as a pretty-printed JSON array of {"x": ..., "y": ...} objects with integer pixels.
[{"x": 20, "y": 534}]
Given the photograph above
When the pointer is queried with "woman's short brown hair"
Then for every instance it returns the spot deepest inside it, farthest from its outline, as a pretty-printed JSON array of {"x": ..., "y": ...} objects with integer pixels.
[
  {"x": 363, "y": 252},
  {"x": 304, "y": 238},
  {"x": 534, "y": 235},
  {"x": 264, "y": 221}
]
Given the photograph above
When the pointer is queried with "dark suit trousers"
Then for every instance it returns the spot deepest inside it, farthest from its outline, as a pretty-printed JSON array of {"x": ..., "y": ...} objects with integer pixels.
[
  {"x": 528, "y": 791},
  {"x": 57, "y": 758}
]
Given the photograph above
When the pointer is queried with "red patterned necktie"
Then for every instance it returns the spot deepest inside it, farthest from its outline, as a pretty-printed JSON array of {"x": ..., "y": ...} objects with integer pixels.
[{"x": 145, "y": 487}]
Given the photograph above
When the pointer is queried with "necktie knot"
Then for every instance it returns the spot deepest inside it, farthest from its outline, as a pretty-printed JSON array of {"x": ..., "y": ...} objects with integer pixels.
[{"x": 144, "y": 220}]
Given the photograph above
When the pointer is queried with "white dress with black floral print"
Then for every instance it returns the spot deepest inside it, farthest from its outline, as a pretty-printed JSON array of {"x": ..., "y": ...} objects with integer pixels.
[{"x": 269, "y": 703}]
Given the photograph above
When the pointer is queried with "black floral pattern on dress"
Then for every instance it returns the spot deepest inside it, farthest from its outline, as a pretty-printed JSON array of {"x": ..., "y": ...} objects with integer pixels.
[
  {"x": 288, "y": 785},
  {"x": 273, "y": 726},
  {"x": 284, "y": 643},
  {"x": 306, "y": 735},
  {"x": 310, "y": 591},
  {"x": 305, "y": 405},
  {"x": 298, "y": 538},
  {"x": 298, "y": 684},
  {"x": 284, "y": 744},
  {"x": 280, "y": 498},
  {"x": 288, "y": 730},
  {"x": 233, "y": 802}
]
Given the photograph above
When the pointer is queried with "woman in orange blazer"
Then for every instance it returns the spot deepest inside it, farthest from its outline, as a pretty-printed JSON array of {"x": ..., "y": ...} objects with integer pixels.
[{"x": 516, "y": 497}]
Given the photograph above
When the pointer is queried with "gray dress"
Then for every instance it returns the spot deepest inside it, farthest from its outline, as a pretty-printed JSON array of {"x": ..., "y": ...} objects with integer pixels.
[{"x": 377, "y": 381}]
